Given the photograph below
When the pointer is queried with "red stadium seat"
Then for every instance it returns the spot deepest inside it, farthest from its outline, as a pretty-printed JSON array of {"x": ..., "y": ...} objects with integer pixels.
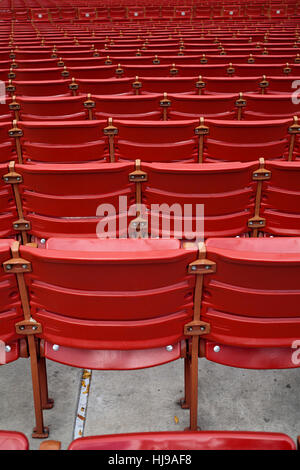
[
  {"x": 41, "y": 88},
  {"x": 62, "y": 200},
  {"x": 50, "y": 108},
  {"x": 7, "y": 151},
  {"x": 8, "y": 213},
  {"x": 281, "y": 197},
  {"x": 246, "y": 140},
  {"x": 270, "y": 106},
  {"x": 63, "y": 142},
  {"x": 160, "y": 141},
  {"x": 108, "y": 86},
  {"x": 12, "y": 345},
  {"x": 145, "y": 326},
  {"x": 176, "y": 440},
  {"x": 127, "y": 107},
  {"x": 225, "y": 190},
  {"x": 210, "y": 106},
  {"x": 251, "y": 302},
  {"x": 12, "y": 440}
]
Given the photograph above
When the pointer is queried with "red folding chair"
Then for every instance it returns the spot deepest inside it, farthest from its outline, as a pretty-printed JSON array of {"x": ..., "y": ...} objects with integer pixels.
[
  {"x": 221, "y": 106},
  {"x": 251, "y": 303},
  {"x": 40, "y": 88},
  {"x": 225, "y": 190},
  {"x": 62, "y": 142},
  {"x": 13, "y": 440},
  {"x": 65, "y": 200},
  {"x": 164, "y": 141},
  {"x": 281, "y": 198},
  {"x": 110, "y": 86},
  {"x": 246, "y": 140},
  {"x": 127, "y": 106},
  {"x": 270, "y": 106},
  {"x": 176, "y": 440},
  {"x": 8, "y": 213},
  {"x": 49, "y": 108},
  {"x": 73, "y": 283}
]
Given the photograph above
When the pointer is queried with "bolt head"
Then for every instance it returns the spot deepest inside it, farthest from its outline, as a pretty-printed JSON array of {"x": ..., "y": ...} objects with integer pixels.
[
  {"x": 202, "y": 328},
  {"x": 7, "y": 348},
  {"x": 43, "y": 241},
  {"x": 194, "y": 268},
  {"x": 24, "y": 266},
  {"x": 55, "y": 347},
  {"x": 22, "y": 327},
  {"x": 169, "y": 348},
  {"x": 217, "y": 349},
  {"x": 8, "y": 266}
]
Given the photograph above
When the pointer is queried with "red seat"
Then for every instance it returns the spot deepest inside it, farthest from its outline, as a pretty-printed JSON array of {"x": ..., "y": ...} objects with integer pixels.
[
  {"x": 108, "y": 86},
  {"x": 12, "y": 440},
  {"x": 57, "y": 141},
  {"x": 8, "y": 213},
  {"x": 97, "y": 72},
  {"x": 42, "y": 88},
  {"x": 224, "y": 189},
  {"x": 211, "y": 106},
  {"x": 53, "y": 108},
  {"x": 164, "y": 141},
  {"x": 112, "y": 304},
  {"x": 230, "y": 85},
  {"x": 168, "y": 84},
  {"x": 251, "y": 302},
  {"x": 64, "y": 200},
  {"x": 281, "y": 198},
  {"x": 136, "y": 12},
  {"x": 39, "y": 14},
  {"x": 246, "y": 140},
  {"x": 176, "y": 440},
  {"x": 270, "y": 106},
  {"x": 127, "y": 107},
  {"x": 86, "y": 13},
  {"x": 10, "y": 308},
  {"x": 7, "y": 151}
]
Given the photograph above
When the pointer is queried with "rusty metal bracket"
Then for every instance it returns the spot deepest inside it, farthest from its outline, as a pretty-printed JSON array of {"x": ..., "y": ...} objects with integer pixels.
[
  {"x": 73, "y": 85},
  {"x": 21, "y": 225},
  {"x": 119, "y": 70},
  {"x": 202, "y": 266},
  {"x": 173, "y": 70},
  {"x": 257, "y": 222},
  {"x": 261, "y": 174},
  {"x": 15, "y": 131},
  {"x": 138, "y": 176},
  {"x": 28, "y": 327},
  {"x": 12, "y": 177},
  {"x": 17, "y": 266},
  {"x": 196, "y": 328}
]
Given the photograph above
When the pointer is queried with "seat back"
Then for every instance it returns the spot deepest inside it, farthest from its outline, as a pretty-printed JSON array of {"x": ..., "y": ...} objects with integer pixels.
[
  {"x": 61, "y": 142},
  {"x": 13, "y": 440},
  {"x": 10, "y": 308},
  {"x": 111, "y": 294},
  {"x": 252, "y": 302},
  {"x": 247, "y": 140},
  {"x": 164, "y": 141},
  {"x": 225, "y": 190},
  {"x": 63, "y": 200},
  {"x": 281, "y": 199},
  {"x": 201, "y": 440}
]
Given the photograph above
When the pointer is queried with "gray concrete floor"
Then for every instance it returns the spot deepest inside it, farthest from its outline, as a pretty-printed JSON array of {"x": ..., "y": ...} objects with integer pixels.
[{"x": 146, "y": 400}]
